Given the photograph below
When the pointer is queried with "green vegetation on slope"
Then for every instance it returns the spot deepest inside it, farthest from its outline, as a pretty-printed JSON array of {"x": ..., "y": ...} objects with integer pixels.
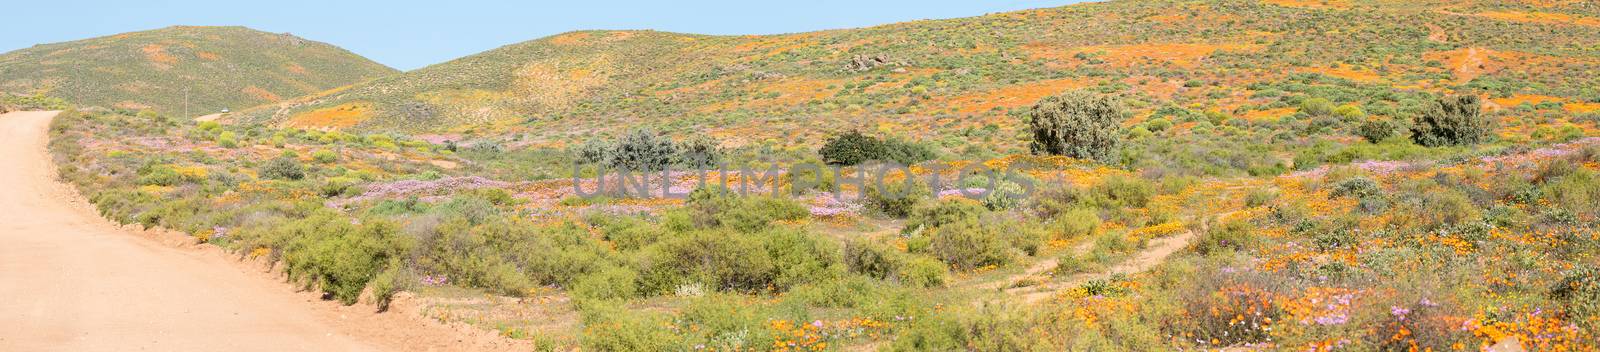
[
  {"x": 943, "y": 79},
  {"x": 218, "y": 67}
]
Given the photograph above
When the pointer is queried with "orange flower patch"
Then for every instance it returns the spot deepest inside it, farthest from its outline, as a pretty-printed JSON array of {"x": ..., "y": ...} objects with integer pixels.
[
  {"x": 341, "y": 116},
  {"x": 1519, "y": 99},
  {"x": 158, "y": 54},
  {"x": 1182, "y": 55},
  {"x": 262, "y": 94},
  {"x": 1345, "y": 72},
  {"x": 1269, "y": 115},
  {"x": 1540, "y": 17},
  {"x": 1469, "y": 63},
  {"x": 1014, "y": 96},
  {"x": 570, "y": 39},
  {"x": 1583, "y": 108},
  {"x": 1311, "y": 4}
]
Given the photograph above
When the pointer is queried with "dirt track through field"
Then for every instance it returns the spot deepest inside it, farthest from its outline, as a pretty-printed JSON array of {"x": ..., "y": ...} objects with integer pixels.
[{"x": 70, "y": 280}]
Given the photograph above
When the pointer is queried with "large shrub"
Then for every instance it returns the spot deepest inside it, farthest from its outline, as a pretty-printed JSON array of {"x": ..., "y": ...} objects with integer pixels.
[
  {"x": 283, "y": 168},
  {"x": 1451, "y": 121},
  {"x": 1077, "y": 124},
  {"x": 1376, "y": 130},
  {"x": 328, "y": 252},
  {"x": 645, "y": 150},
  {"x": 851, "y": 148},
  {"x": 854, "y": 148},
  {"x": 724, "y": 261}
]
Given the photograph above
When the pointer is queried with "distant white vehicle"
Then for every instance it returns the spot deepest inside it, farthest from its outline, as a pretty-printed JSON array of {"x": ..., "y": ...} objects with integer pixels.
[{"x": 224, "y": 110}]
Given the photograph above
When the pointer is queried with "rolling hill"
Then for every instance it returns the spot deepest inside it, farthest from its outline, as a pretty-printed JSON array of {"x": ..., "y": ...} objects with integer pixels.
[
  {"x": 219, "y": 67},
  {"x": 1249, "y": 59}
]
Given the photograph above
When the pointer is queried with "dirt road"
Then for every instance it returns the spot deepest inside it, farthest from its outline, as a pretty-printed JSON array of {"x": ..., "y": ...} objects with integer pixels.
[{"x": 70, "y": 280}]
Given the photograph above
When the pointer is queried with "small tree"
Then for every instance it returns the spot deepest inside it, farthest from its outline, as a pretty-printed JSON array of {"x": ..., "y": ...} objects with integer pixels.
[
  {"x": 283, "y": 168},
  {"x": 1376, "y": 130},
  {"x": 699, "y": 153},
  {"x": 643, "y": 150},
  {"x": 851, "y": 148},
  {"x": 1454, "y": 120},
  {"x": 1077, "y": 124}
]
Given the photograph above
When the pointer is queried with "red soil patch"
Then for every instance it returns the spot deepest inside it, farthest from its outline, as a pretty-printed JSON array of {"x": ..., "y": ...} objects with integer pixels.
[
  {"x": 1437, "y": 34},
  {"x": 341, "y": 116},
  {"x": 1469, "y": 63},
  {"x": 262, "y": 94},
  {"x": 131, "y": 105}
]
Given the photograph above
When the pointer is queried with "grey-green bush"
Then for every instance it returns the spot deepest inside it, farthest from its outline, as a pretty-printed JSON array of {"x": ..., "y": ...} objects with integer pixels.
[
  {"x": 1452, "y": 121},
  {"x": 1077, "y": 124}
]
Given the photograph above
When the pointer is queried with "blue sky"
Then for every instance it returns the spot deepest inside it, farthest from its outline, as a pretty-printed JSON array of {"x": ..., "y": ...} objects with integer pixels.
[{"x": 409, "y": 34}]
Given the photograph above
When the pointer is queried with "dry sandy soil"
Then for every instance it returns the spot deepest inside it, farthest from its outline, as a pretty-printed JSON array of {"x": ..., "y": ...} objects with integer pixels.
[{"x": 70, "y": 280}]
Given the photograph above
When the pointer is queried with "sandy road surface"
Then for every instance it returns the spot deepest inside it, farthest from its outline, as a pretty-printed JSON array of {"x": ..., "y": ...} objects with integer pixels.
[{"x": 70, "y": 280}]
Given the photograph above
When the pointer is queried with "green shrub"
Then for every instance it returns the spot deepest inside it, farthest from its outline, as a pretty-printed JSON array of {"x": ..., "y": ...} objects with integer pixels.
[
  {"x": 851, "y": 148},
  {"x": 611, "y": 327},
  {"x": 609, "y": 282},
  {"x": 757, "y": 213},
  {"x": 988, "y": 328},
  {"x": 1316, "y": 107},
  {"x": 944, "y": 212},
  {"x": 968, "y": 245},
  {"x": 283, "y": 168},
  {"x": 228, "y": 140},
  {"x": 1077, "y": 124},
  {"x": 1356, "y": 187},
  {"x": 1376, "y": 130},
  {"x": 328, "y": 252},
  {"x": 1078, "y": 222},
  {"x": 699, "y": 153},
  {"x": 896, "y": 199},
  {"x": 1259, "y": 197},
  {"x": 337, "y": 186},
  {"x": 643, "y": 150},
  {"x": 325, "y": 156},
  {"x": 1579, "y": 288},
  {"x": 713, "y": 207},
  {"x": 1444, "y": 207},
  {"x": 1236, "y": 235},
  {"x": 1452, "y": 121},
  {"x": 1349, "y": 112},
  {"x": 801, "y": 258},
  {"x": 1123, "y": 191},
  {"x": 628, "y": 233},
  {"x": 871, "y": 260},
  {"x": 159, "y": 175},
  {"x": 1577, "y": 192},
  {"x": 723, "y": 261},
  {"x": 920, "y": 271}
]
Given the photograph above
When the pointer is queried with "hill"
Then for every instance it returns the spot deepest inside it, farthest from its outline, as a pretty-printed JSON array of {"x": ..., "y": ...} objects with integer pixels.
[
  {"x": 962, "y": 77},
  {"x": 219, "y": 67}
]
